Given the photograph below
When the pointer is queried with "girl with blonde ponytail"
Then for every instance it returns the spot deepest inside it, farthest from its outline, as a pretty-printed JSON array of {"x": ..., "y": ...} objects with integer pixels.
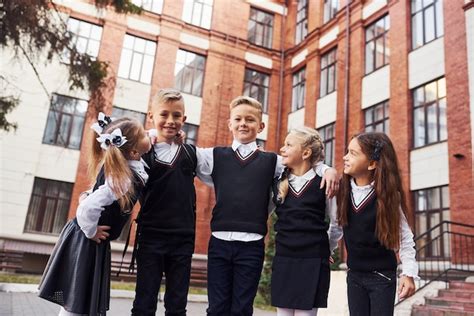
[
  {"x": 77, "y": 275},
  {"x": 300, "y": 277}
]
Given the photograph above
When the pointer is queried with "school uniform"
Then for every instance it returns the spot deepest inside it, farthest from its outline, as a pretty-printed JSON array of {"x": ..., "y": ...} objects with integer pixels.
[
  {"x": 242, "y": 177},
  {"x": 371, "y": 279},
  {"x": 77, "y": 275},
  {"x": 166, "y": 229},
  {"x": 303, "y": 244}
]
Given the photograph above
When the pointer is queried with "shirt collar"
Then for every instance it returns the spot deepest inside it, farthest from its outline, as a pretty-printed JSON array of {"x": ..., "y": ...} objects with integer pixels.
[
  {"x": 252, "y": 146},
  {"x": 310, "y": 174},
  {"x": 164, "y": 145},
  {"x": 139, "y": 167},
  {"x": 361, "y": 188}
]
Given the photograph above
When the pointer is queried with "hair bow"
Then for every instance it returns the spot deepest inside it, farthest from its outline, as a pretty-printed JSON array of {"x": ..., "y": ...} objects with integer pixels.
[
  {"x": 102, "y": 121},
  {"x": 115, "y": 139}
]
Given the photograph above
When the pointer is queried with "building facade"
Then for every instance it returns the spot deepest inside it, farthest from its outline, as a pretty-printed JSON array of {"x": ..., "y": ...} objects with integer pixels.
[{"x": 398, "y": 66}]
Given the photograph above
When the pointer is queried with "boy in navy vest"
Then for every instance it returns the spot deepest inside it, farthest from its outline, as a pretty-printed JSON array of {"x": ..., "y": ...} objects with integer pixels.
[
  {"x": 166, "y": 222},
  {"x": 242, "y": 177}
]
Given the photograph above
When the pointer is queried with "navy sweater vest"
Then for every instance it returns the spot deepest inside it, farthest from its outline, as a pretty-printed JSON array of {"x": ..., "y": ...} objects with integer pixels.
[
  {"x": 301, "y": 228},
  {"x": 112, "y": 215},
  {"x": 242, "y": 189},
  {"x": 168, "y": 204},
  {"x": 364, "y": 251}
]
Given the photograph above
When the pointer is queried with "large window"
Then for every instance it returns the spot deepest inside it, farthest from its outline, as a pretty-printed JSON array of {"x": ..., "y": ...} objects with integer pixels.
[
  {"x": 377, "y": 118},
  {"x": 191, "y": 131},
  {"x": 377, "y": 46},
  {"x": 298, "y": 92},
  {"x": 49, "y": 206},
  {"x": 330, "y": 9},
  {"x": 155, "y": 6},
  {"x": 119, "y": 112},
  {"x": 85, "y": 37},
  {"x": 260, "y": 28},
  {"x": 65, "y": 122},
  {"x": 138, "y": 56},
  {"x": 256, "y": 86},
  {"x": 328, "y": 73},
  {"x": 301, "y": 21},
  {"x": 429, "y": 113},
  {"x": 198, "y": 12},
  {"x": 189, "y": 72},
  {"x": 327, "y": 134},
  {"x": 431, "y": 208},
  {"x": 426, "y": 21}
]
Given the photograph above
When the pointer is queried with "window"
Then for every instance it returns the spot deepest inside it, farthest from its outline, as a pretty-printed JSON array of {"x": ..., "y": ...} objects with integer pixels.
[
  {"x": 155, "y": 6},
  {"x": 119, "y": 112},
  {"x": 65, "y": 122},
  {"x": 261, "y": 143},
  {"x": 431, "y": 208},
  {"x": 327, "y": 134},
  {"x": 49, "y": 206},
  {"x": 256, "y": 86},
  {"x": 191, "y": 131},
  {"x": 377, "y": 47},
  {"x": 85, "y": 37},
  {"x": 138, "y": 56},
  {"x": 376, "y": 118},
  {"x": 301, "y": 21},
  {"x": 298, "y": 92},
  {"x": 198, "y": 12},
  {"x": 330, "y": 9},
  {"x": 260, "y": 28},
  {"x": 189, "y": 72},
  {"x": 429, "y": 117},
  {"x": 328, "y": 73},
  {"x": 426, "y": 21}
]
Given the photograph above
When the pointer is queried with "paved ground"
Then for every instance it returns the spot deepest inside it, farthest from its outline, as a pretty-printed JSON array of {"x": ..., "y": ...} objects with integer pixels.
[{"x": 29, "y": 304}]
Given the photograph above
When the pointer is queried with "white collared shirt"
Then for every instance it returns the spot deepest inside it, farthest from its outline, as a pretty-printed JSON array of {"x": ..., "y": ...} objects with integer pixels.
[
  {"x": 334, "y": 231},
  {"x": 165, "y": 152},
  {"x": 90, "y": 208},
  {"x": 407, "y": 244}
]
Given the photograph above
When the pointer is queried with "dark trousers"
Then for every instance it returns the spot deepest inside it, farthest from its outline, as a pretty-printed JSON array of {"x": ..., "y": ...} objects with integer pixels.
[
  {"x": 371, "y": 293},
  {"x": 233, "y": 273},
  {"x": 150, "y": 269}
]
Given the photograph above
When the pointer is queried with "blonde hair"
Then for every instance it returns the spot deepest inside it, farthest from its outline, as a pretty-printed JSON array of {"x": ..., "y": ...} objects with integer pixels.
[
  {"x": 165, "y": 96},
  {"x": 114, "y": 159},
  {"x": 310, "y": 139},
  {"x": 247, "y": 101}
]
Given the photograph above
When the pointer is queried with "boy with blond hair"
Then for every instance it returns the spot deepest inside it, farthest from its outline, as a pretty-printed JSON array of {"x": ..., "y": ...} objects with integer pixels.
[
  {"x": 166, "y": 222},
  {"x": 242, "y": 177}
]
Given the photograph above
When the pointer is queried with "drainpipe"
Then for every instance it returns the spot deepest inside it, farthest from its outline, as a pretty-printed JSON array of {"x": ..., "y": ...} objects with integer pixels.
[
  {"x": 346, "y": 74},
  {"x": 282, "y": 68}
]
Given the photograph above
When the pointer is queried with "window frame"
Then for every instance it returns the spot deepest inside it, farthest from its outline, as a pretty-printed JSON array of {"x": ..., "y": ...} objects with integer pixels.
[
  {"x": 260, "y": 86},
  {"x": 325, "y": 72},
  {"x": 297, "y": 86},
  {"x": 425, "y": 105},
  {"x": 190, "y": 140},
  {"x": 301, "y": 28},
  {"x": 150, "y": 4},
  {"x": 57, "y": 117},
  {"x": 438, "y": 21},
  {"x": 135, "y": 52},
  {"x": 266, "y": 41},
  {"x": 330, "y": 9},
  {"x": 128, "y": 113},
  {"x": 386, "y": 44},
  {"x": 323, "y": 132},
  {"x": 38, "y": 222},
  {"x": 194, "y": 70},
  {"x": 385, "y": 119},
  {"x": 194, "y": 4},
  {"x": 75, "y": 37}
]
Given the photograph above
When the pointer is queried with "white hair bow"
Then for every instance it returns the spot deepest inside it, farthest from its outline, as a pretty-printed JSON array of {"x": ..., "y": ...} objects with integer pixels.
[
  {"x": 102, "y": 121},
  {"x": 115, "y": 139}
]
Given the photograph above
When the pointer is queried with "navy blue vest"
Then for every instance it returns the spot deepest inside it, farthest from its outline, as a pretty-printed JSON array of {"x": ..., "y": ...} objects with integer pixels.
[{"x": 242, "y": 189}]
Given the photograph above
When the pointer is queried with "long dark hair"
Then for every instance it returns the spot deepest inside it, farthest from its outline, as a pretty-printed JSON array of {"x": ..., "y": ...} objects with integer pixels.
[{"x": 387, "y": 184}]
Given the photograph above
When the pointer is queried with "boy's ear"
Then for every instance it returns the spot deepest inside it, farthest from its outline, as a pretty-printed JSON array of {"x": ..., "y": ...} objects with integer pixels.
[
  {"x": 150, "y": 115},
  {"x": 372, "y": 165},
  {"x": 184, "y": 118},
  {"x": 262, "y": 126},
  {"x": 229, "y": 125}
]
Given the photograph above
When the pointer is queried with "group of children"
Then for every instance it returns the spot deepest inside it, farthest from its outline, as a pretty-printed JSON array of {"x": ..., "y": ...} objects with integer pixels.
[{"x": 160, "y": 174}]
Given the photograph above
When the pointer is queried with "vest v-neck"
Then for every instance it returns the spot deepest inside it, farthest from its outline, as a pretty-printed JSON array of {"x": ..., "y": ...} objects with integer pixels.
[
  {"x": 173, "y": 160},
  {"x": 363, "y": 202}
]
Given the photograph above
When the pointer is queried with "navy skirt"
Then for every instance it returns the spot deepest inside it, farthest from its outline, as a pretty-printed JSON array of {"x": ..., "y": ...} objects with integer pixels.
[
  {"x": 77, "y": 275},
  {"x": 300, "y": 283}
]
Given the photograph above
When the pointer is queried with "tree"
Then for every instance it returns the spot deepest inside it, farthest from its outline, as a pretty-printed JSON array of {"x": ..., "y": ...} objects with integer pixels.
[{"x": 34, "y": 27}]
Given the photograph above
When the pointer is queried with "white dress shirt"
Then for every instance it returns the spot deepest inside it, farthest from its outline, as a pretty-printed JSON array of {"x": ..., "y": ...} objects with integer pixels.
[
  {"x": 407, "y": 244},
  {"x": 91, "y": 207},
  {"x": 205, "y": 165},
  {"x": 334, "y": 231}
]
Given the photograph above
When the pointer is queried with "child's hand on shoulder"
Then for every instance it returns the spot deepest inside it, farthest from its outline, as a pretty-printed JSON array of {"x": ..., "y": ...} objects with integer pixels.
[
  {"x": 101, "y": 234},
  {"x": 406, "y": 288},
  {"x": 153, "y": 135},
  {"x": 331, "y": 180},
  {"x": 180, "y": 137}
]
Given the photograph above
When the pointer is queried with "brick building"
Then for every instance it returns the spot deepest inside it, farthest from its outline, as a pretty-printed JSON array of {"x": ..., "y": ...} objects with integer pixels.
[{"x": 399, "y": 66}]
